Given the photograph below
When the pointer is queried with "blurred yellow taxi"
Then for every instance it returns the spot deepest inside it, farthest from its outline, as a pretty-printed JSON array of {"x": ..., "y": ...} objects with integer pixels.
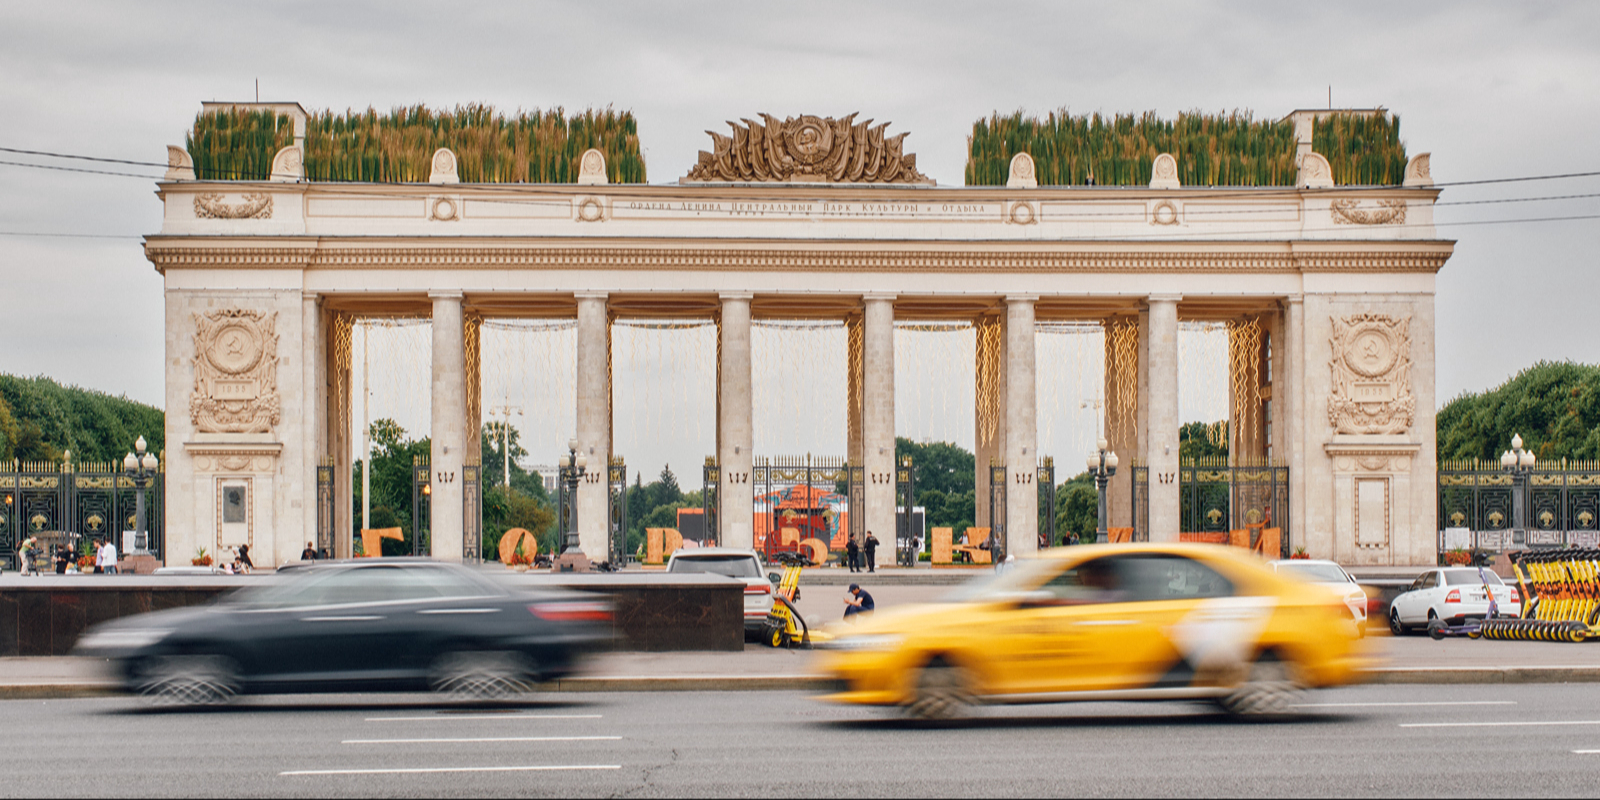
[{"x": 1104, "y": 622}]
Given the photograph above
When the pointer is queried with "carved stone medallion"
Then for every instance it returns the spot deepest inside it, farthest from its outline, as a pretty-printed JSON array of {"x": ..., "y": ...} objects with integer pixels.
[
  {"x": 1350, "y": 212},
  {"x": 807, "y": 148},
  {"x": 1371, "y": 375},
  {"x": 235, "y": 372},
  {"x": 255, "y": 206}
]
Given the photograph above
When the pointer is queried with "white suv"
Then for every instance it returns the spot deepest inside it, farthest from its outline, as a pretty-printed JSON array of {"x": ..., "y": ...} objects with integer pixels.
[{"x": 744, "y": 565}]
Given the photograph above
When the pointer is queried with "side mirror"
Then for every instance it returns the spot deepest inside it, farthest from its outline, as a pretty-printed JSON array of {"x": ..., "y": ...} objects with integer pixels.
[{"x": 774, "y": 577}]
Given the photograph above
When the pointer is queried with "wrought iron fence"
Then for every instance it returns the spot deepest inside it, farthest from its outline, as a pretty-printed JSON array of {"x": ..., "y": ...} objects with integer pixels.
[
  {"x": 1215, "y": 496},
  {"x": 800, "y": 493},
  {"x": 1483, "y": 506},
  {"x": 72, "y": 501},
  {"x": 617, "y": 486}
]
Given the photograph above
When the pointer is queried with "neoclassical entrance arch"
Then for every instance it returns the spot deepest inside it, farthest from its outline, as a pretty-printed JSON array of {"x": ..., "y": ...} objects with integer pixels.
[{"x": 1328, "y": 293}]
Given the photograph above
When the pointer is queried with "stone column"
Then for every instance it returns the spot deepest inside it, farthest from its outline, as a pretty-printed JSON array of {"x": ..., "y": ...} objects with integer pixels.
[
  {"x": 449, "y": 419},
  {"x": 1162, "y": 434},
  {"x": 1288, "y": 404},
  {"x": 313, "y": 442},
  {"x": 594, "y": 423},
  {"x": 1022, "y": 450},
  {"x": 735, "y": 425},
  {"x": 877, "y": 420}
]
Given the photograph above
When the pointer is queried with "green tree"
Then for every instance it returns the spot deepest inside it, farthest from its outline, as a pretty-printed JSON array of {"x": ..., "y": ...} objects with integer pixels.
[
  {"x": 1077, "y": 508},
  {"x": 96, "y": 427},
  {"x": 1555, "y": 406},
  {"x": 10, "y": 432},
  {"x": 943, "y": 466},
  {"x": 1203, "y": 440}
]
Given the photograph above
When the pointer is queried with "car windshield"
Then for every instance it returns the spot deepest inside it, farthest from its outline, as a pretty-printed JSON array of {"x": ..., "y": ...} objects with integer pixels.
[
  {"x": 1469, "y": 577},
  {"x": 733, "y": 566},
  {"x": 1316, "y": 573}
]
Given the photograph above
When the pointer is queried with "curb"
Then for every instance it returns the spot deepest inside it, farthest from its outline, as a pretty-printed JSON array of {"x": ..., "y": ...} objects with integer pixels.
[{"x": 791, "y": 683}]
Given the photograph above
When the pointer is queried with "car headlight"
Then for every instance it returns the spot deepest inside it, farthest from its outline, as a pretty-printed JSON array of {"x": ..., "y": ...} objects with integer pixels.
[
  {"x": 855, "y": 644},
  {"x": 123, "y": 639}
]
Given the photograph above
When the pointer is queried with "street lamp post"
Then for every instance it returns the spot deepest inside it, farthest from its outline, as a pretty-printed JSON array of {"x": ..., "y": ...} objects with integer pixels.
[
  {"x": 142, "y": 468},
  {"x": 1102, "y": 465},
  {"x": 1519, "y": 463},
  {"x": 573, "y": 466}
]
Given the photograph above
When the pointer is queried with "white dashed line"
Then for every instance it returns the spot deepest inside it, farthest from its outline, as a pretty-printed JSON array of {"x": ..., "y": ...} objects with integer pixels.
[
  {"x": 431, "y": 770},
  {"x": 487, "y": 739},
  {"x": 453, "y": 717},
  {"x": 1386, "y": 705},
  {"x": 1497, "y": 724}
]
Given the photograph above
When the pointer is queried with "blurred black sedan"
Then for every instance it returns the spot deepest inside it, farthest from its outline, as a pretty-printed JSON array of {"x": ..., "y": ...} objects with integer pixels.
[{"x": 367, "y": 625}]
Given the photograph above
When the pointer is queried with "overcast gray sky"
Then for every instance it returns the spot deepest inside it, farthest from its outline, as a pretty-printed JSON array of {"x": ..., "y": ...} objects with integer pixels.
[{"x": 1491, "y": 89}]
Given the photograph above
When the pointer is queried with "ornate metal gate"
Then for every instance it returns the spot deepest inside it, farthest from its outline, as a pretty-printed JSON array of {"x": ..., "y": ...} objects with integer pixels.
[
  {"x": 711, "y": 497},
  {"x": 796, "y": 498},
  {"x": 1046, "y": 480},
  {"x": 1562, "y": 499},
  {"x": 1215, "y": 496},
  {"x": 421, "y": 508},
  {"x": 69, "y": 502},
  {"x": 997, "y": 512},
  {"x": 1141, "y": 503},
  {"x": 905, "y": 501},
  {"x": 325, "y": 507},
  {"x": 472, "y": 511},
  {"x": 617, "y": 540}
]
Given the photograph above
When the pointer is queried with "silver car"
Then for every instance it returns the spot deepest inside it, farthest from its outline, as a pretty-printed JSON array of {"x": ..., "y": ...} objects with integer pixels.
[
  {"x": 1453, "y": 595},
  {"x": 745, "y": 565}
]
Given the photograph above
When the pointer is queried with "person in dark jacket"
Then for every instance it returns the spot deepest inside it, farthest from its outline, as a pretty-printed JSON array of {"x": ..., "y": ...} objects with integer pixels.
[
  {"x": 872, "y": 552},
  {"x": 852, "y": 552},
  {"x": 858, "y": 602}
]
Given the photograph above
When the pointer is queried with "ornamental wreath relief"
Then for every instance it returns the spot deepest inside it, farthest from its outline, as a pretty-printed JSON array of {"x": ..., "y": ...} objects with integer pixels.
[
  {"x": 1371, "y": 375},
  {"x": 235, "y": 372}
]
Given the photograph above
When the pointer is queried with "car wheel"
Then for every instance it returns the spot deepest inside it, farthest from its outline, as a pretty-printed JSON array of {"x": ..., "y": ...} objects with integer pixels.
[
  {"x": 1396, "y": 627},
  {"x": 481, "y": 674},
  {"x": 943, "y": 692},
  {"x": 190, "y": 680},
  {"x": 1269, "y": 690}
]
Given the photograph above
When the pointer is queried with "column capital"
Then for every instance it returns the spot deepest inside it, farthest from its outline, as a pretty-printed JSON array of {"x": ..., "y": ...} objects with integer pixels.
[
  {"x": 1164, "y": 298},
  {"x": 591, "y": 295},
  {"x": 1295, "y": 299},
  {"x": 735, "y": 296},
  {"x": 1022, "y": 298},
  {"x": 312, "y": 296},
  {"x": 446, "y": 295},
  {"x": 878, "y": 296}
]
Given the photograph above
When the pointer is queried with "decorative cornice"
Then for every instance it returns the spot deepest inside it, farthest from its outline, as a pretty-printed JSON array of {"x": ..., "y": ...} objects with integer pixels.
[{"x": 1426, "y": 259}]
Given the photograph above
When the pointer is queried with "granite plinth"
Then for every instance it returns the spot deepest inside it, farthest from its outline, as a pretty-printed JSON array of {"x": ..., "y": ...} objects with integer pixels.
[{"x": 45, "y": 615}]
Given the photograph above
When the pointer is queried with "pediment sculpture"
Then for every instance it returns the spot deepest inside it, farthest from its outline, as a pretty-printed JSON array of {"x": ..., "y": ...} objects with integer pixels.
[
  {"x": 235, "y": 372},
  {"x": 1371, "y": 375},
  {"x": 807, "y": 149}
]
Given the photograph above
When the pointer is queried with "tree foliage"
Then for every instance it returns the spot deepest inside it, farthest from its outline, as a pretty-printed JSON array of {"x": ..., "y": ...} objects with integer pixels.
[
  {"x": 1555, "y": 406},
  {"x": 39, "y": 419}
]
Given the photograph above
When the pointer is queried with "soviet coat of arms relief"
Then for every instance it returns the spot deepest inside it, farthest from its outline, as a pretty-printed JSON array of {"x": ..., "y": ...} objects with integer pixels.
[
  {"x": 235, "y": 372},
  {"x": 1371, "y": 366}
]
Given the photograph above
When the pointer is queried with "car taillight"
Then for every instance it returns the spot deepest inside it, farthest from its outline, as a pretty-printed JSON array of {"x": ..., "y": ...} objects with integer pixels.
[
  {"x": 765, "y": 588},
  {"x": 573, "y": 611},
  {"x": 1515, "y": 598},
  {"x": 1453, "y": 597}
]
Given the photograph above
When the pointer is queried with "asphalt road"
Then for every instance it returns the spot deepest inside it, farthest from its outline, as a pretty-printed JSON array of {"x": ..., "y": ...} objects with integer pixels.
[{"x": 1454, "y": 741}]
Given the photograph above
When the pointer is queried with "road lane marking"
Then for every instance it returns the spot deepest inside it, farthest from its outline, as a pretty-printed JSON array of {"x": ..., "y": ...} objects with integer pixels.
[
  {"x": 1585, "y": 752},
  {"x": 430, "y": 770},
  {"x": 486, "y": 739},
  {"x": 1498, "y": 724},
  {"x": 482, "y": 716},
  {"x": 1380, "y": 705}
]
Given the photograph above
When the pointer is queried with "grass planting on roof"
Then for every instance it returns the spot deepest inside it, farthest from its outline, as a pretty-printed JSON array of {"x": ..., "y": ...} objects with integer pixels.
[
  {"x": 1223, "y": 149},
  {"x": 397, "y": 146},
  {"x": 1362, "y": 149},
  {"x": 237, "y": 144}
]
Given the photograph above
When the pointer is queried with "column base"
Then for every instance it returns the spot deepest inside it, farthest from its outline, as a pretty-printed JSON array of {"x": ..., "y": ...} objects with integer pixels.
[{"x": 573, "y": 562}]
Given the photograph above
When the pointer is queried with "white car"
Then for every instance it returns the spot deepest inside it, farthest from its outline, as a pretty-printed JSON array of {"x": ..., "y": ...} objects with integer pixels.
[
  {"x": 744, "y": 565},
  {"x": 1333, "y": 576},
  {"x": 1454, "y": 595}
]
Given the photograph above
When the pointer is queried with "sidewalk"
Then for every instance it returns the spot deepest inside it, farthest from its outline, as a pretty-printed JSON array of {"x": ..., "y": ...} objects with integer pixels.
[{"x": 1408, "y": 660}]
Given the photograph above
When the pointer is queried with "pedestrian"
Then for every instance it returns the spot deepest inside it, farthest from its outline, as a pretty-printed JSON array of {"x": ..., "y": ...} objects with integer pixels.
[
  {"x": 1072, "y": 538},
  {"x": 244, "y": 564},
  {"x": 308, "y": 554},
  {"x": 63, "y": 558},
  {"x": 99, "y": 557},
  {"x": 872, "y": 552},
  {"x": 108, "y": 557},
  {"x": 25, "y": 555},
  {"x": 857, "y": 602},
  {"x": 852, "y": 551}
]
